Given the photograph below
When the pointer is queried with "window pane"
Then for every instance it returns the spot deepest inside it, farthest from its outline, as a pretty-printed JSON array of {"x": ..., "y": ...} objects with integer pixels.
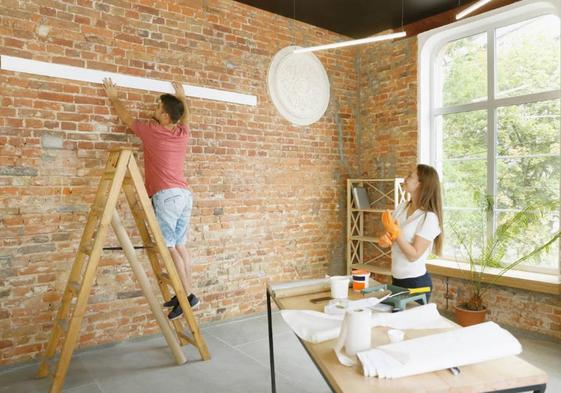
[
  {"x": 464, "y": 182},
  {"x": 462, "y": 69},
  {"x": 521, "y": 181},
  {"x": 541, "y": 229},
  {"x": 464, "y": 135},
  {"x": 528, "y": 57},
  {"x": 464, "y": 164},
  {"x": 528, "y": 153},
  {"x": 463, "y": 226},
  {"x": 528, "y": 129}
]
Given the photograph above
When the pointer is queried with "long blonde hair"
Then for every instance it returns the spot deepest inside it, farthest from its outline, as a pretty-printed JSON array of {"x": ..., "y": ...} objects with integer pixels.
[{"x": 430, "y": 199}]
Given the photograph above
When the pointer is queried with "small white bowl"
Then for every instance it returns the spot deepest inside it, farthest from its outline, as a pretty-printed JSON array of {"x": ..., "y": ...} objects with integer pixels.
[{"x": 396, "y": 335}]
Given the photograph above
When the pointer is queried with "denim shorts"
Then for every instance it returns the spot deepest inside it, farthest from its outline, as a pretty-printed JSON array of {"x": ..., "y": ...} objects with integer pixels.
[{"x": 173, "y": 208}]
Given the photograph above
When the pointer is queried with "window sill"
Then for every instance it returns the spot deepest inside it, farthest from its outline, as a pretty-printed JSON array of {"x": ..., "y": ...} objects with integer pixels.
[{"x": 536, "y": 282}]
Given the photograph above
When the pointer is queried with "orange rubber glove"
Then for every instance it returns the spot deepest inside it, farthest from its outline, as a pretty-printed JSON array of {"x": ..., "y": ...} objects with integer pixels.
[
  {"x": 391, "y": 226},
  {"x": 385, "y": 241}
]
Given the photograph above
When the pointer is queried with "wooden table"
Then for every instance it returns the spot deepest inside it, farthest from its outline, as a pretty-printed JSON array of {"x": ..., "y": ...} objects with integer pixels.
[{"x": 509, "y": 374}]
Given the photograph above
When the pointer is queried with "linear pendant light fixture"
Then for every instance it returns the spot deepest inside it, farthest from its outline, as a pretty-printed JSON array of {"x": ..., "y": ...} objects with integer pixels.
[
  {"x": 374, "y": 38},
  {"x": 367, "y": 40},
  {"x": 472, "y": 8}
]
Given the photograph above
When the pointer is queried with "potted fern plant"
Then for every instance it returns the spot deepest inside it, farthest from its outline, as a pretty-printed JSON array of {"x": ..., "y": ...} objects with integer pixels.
[{"x": 494, "y": 254}]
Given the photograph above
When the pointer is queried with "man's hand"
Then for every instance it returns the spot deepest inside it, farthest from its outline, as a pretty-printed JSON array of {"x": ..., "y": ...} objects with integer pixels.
[
  {"x": 113, "y": 95},
  {"x": 110, "y": 88},
  {"x": 179, "y": 92}
]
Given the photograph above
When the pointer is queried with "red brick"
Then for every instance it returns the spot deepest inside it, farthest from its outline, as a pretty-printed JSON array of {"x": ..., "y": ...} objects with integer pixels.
[{"x": 6, "y": 344}]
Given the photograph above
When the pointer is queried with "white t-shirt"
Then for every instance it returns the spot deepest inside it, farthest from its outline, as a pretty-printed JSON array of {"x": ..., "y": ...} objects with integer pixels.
[{"x": 420, "y": 223}]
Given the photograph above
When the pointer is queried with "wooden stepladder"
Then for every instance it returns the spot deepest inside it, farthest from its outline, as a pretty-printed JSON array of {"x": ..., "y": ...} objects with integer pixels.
[{"x": 121, "y": 172}]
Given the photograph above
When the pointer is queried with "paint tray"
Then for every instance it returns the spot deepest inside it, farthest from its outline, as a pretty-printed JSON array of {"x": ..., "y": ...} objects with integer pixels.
[{"x": 398, "y": 302}]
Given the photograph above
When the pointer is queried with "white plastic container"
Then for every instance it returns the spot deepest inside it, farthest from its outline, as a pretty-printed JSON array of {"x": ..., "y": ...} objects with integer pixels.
[
  {"x": 396, "y": 335},
  {"x": 340, "y": 287}
]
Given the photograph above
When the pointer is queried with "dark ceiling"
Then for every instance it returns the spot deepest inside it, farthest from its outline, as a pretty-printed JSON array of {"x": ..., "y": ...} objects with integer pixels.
[{"x": 356, "y": 18}]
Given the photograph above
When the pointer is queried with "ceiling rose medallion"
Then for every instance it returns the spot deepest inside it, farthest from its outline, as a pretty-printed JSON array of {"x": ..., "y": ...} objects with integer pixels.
[{"x": 298, "y": 86}]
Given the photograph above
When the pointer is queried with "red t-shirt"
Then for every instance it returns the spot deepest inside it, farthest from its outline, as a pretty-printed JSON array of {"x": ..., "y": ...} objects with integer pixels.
[{"x": 164, "y": 154}]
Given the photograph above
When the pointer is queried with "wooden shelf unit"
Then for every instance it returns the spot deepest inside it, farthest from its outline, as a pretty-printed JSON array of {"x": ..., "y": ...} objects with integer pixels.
[{"x": 380, "y": 199}]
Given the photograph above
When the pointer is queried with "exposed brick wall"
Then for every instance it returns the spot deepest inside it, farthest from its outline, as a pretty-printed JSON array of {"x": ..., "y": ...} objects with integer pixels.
[
  {"x": 388, "y": 148},
  {"x": 269, "y": 197},
  {"x": 388, "y": 108},
  {"x": 527, "y": 310}
]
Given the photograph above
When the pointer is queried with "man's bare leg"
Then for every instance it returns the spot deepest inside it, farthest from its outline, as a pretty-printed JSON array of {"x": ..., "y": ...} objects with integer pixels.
[
  {"x": 180, "y": 267},
  {"x": 186, "y": 256}
]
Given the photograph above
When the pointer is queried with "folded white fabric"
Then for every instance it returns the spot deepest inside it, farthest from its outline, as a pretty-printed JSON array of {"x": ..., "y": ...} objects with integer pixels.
[
  {"x": 422, "y": 317},
  {"x": 315, "y": 327},
  {"x": 460, "y": 347}
]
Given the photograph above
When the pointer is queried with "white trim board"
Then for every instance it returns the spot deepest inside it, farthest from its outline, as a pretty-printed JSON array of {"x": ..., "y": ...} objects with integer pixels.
[{"x": 42, "y": 68}]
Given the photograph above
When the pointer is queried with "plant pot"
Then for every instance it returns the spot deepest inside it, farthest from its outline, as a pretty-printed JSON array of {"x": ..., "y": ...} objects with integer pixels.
[{"x": 465, "y": 317}]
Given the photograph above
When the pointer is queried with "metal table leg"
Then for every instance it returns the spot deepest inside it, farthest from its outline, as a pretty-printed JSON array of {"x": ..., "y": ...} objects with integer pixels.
[
  {"x": 533, "y": 388},
  {"x": 271, "y": 349}
]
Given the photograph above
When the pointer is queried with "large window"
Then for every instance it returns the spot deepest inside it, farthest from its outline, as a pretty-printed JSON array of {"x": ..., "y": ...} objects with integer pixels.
[{"x": 495, "y": 129}]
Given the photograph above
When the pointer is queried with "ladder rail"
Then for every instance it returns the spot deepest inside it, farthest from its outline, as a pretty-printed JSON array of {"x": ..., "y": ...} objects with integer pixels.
[
  {"x": 89, "y": 274},
  {"x": 70, "y": 292},
  {"x": 134, "y": 204},
  {"x": 150, "y": 218},
  {"x": 142, "y": 278}
]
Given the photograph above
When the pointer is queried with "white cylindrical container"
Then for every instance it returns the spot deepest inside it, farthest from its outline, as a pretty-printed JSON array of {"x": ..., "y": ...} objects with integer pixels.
[
  {"x": 359, "y": 331},
  {"x": 339, "y": 287},
  {"x": 396, "y": 335}
]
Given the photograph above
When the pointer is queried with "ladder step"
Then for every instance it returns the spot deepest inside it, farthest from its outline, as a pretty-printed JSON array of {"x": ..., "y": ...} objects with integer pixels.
[
  {"x": 186, "y": 338},
  {"x": 151, "y": 247},
  {"x": 165, "y": 278},
  {"x": 86, "y": 250},
  {"x": 62, "y": 324},
  {"x": 137, "y": 210},
  {"x": 98, "y": 211},
  {"x": 74, "y": 287}
]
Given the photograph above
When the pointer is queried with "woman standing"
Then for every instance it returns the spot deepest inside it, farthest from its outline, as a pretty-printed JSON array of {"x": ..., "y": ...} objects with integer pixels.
[{"x": 419, "y": 222}]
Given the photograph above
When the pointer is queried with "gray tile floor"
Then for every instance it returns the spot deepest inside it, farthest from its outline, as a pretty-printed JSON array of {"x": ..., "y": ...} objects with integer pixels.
[{"x": 240, "y": 363}]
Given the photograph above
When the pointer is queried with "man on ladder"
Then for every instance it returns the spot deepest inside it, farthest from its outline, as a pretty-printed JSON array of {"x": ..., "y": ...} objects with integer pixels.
[{"x": 165, "y": 143}]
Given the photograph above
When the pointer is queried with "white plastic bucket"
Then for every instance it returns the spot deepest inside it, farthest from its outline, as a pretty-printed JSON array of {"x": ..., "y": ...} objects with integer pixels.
[{"x": 339, "y": 287}]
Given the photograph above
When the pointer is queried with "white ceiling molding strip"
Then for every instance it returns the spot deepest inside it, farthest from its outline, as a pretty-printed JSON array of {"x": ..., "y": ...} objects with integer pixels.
[
  {"x": 472, "y": 8},
  {"x": 367, "y": 40},
  {"x": 42, "y": 68}
]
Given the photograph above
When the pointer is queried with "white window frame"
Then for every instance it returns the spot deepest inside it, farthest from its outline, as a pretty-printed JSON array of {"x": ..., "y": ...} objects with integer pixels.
[{"x": 429, "y": 45}]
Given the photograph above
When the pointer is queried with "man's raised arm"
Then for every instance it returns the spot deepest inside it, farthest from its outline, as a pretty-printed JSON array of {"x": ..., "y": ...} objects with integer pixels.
[
  {"x": 122, "y": 112},
  {"x": 180, "y": 94}
]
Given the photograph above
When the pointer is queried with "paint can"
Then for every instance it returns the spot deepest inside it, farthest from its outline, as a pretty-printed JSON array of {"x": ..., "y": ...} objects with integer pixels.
[{"x": 360, "y": 280}]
